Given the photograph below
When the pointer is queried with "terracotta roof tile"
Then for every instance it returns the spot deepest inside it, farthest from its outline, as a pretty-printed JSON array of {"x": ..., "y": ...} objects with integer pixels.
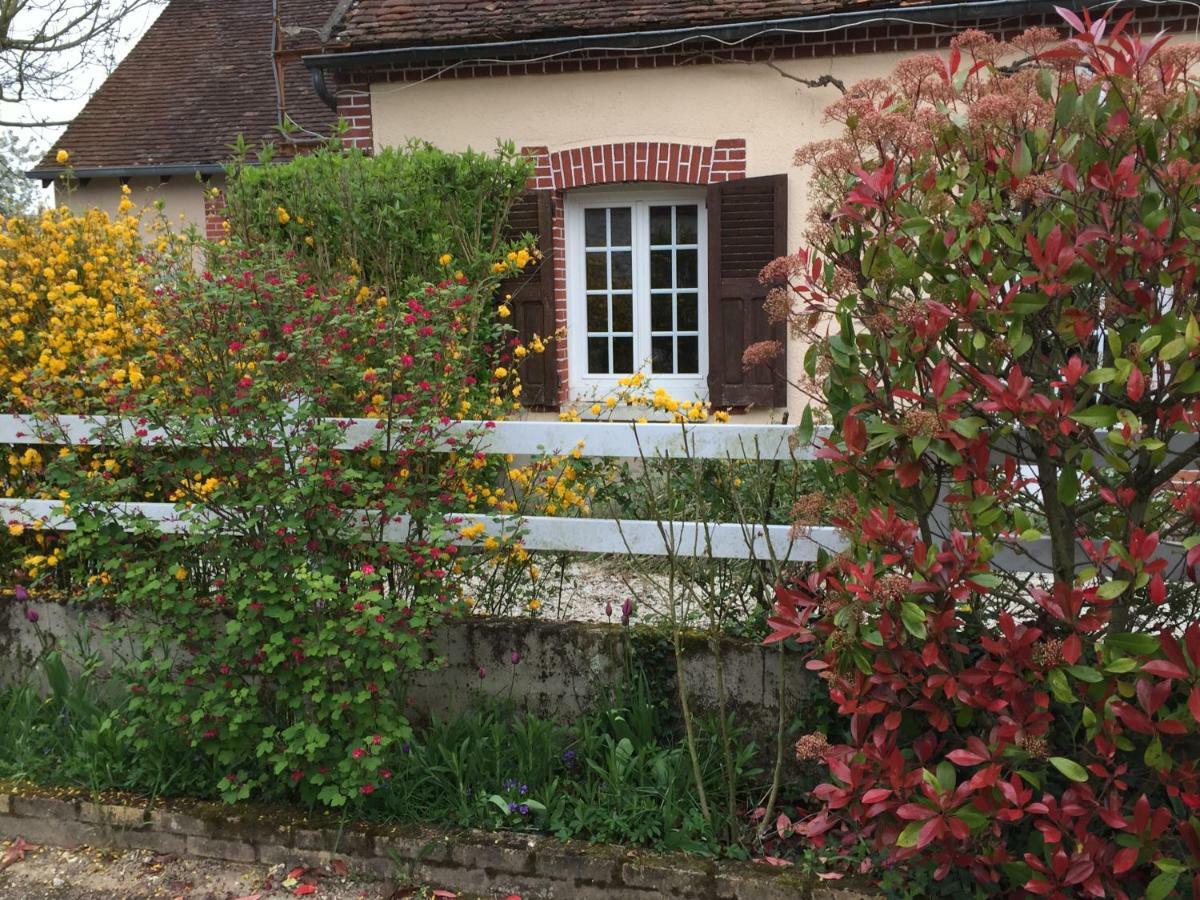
[
  {"x": 201, "y": 74},
  {"x": 398, "y": 22}
]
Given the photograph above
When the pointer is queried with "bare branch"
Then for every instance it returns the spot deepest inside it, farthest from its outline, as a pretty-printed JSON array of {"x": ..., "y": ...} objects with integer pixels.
[{"x": 823, "y": 81}]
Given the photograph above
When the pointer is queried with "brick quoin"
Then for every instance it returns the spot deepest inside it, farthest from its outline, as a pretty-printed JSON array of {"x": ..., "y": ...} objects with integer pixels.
[
  {"x": 354, "y": 107},
  {"x": 214, "y": 214},
  {"x": 630, "y": 161}
]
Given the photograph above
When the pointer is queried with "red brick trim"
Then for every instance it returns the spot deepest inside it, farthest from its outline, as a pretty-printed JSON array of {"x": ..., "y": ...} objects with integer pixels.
[
  {"x": 354, "y": 107},
  {"x": 636, "y": 161},
  {"x": 214, "y": 214}
]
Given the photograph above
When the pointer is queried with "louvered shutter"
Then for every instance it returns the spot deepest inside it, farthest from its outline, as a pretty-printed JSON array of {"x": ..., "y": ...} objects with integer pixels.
[
  {"x": 747, "y": 228},
  {"x": 532, "y": 300}
]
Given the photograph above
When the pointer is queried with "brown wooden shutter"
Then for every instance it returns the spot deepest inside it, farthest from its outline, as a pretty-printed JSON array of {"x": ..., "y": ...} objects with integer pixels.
[
  {"x": 532, "y": 300},
  {"x": 747, "y": 228}
]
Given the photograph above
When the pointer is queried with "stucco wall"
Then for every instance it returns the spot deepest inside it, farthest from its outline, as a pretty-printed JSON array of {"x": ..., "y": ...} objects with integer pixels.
[
  {"x": 691, "y": 105},
  {"x": 182, "y": 197}
]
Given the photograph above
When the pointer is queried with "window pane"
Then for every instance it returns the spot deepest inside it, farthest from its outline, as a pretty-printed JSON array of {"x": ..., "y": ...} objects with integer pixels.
[
  {"x": 662, "y": 356},
  {"x": 685, "y": 268},
  {"x": 689, "y": 355},
  {"x": 685, "y": 225},
  {"x": 622, "y": 270},
  {"x": 660, "y": 269},
  {"x": 660, "y": 225},
  {"x": 597, "y": 314},
  {"x": 688, "y": 312},
  {"x": 597, "y": 356},
  {"x": 597, "y": 271},
  {"x": 623, "y": 355},
  {"x": 660, "y": 312},
  {"x": 622, "y": 305},
  {"x": 593, "y": 227},
  {"x": 620, "y": 227}
]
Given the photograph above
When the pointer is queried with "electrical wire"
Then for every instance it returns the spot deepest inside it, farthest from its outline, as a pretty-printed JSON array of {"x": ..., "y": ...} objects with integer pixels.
[{"x": 727, "y": 44}]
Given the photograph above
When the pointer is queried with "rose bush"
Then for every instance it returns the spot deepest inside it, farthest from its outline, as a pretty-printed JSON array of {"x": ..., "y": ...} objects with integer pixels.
[{"x": 999, "y": 292}]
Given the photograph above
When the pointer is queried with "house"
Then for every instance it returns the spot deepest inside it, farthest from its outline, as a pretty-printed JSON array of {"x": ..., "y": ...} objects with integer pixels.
[
  {"x": 663, "y": 134},
  {"x": 203, "y": 74}
]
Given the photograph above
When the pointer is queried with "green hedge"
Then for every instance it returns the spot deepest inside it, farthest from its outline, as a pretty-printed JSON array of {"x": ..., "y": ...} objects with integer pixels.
[{"x": 389, "y": 216}]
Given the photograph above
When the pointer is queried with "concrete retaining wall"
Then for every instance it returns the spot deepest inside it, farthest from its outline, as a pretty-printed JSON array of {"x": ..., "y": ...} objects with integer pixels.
[{"x": 564, "y": 667}]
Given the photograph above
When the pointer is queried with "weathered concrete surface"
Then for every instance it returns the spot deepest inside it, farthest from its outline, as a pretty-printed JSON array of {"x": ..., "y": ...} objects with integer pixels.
[
  {"x": 477, "y": 862},
  {"x": 564, "y": 667}
]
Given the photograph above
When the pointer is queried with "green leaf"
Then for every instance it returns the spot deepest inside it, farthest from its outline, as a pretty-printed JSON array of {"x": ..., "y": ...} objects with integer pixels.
[
  {"x": 1069, "y": 768},
  {"x": 1162, "y": 886},
  {"x": 913, "y": 618},
  {"x": 1098, "y": 416},
  {"x": 1086, "y": 673},
  {"x": 1110, "y": 590},
  {"x": 1068, "y": 485},
  {"x": 1137, "y": 644},
  {"x": 908, "y": 837},
  {"x": 804, "y": 434}
]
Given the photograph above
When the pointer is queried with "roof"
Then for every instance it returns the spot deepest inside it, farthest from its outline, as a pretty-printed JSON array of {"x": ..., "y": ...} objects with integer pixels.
[
  {"x": 370, "y": 23},
  {"x": 202, "y": 74}
]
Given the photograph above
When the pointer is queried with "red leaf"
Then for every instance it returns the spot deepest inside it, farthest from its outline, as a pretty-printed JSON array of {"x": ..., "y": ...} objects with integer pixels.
[
  {"x": 1136, "y": 386},
  {"x": 911, "y": 812},
  {"x": 1164, "y": 669},
  {"x": 447, "y": 895},
  {"x": 1194, "y": 702},
  {"x": 875, "y": 795},
  {"x": 1125, "y": 860},
  {"x": 339, "y": 867},
  {"x": 965, "y": 758},
  {"x": 1072, "y": 649},
  {"x": 303, "y": 889},
  {"x": 295, "y": 873},
  {"x": 772, "y": 861}
]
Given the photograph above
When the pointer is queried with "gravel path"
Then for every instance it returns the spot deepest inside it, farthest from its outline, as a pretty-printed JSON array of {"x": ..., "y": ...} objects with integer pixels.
[{"x": 88, "y": 873}]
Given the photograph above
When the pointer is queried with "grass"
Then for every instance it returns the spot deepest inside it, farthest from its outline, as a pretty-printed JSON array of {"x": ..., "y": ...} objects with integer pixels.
[{"x": 617, "y": 774}]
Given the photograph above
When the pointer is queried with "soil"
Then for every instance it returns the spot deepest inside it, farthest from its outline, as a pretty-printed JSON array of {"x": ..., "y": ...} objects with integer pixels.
[{"x": 30, "y": 872}]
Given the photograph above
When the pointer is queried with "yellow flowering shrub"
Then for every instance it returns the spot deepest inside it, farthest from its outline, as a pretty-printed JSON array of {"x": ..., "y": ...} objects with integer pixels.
[{"x": 73, "y": 306}]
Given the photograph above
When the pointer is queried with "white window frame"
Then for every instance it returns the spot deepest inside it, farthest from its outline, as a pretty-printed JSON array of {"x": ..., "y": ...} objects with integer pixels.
[{"x": 581, "y": 383}]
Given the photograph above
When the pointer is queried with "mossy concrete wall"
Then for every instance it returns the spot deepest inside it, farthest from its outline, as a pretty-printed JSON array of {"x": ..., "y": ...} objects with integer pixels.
[{"x": 562, "y": 668}]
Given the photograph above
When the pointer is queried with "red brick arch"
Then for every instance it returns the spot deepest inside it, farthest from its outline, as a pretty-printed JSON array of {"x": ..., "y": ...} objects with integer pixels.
[{"x": 638, "y": 161}]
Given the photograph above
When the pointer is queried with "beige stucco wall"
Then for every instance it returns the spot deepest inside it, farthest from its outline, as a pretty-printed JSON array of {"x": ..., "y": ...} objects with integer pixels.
[
  {"x": 182, "y": 197},
  {"x": 692, "y": 105}
]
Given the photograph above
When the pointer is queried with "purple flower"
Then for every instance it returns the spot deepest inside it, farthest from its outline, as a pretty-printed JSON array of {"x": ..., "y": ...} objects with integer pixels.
[
  {"x": 608, "y": 609},
  {"x": 512, "y": 807},
  {"x": 31, "y": 615},
  {"x": 626, "y": 611},
  {"x": 516, "y": 657},
  {"x": 523, "y": 809},
  {"x": 20, "y": 593},
  {"x": 524, "y": 789},
  {"x": 482, "y": 673}
]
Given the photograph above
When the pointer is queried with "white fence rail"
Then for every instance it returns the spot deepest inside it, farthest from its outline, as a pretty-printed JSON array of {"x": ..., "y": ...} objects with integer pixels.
[{"x": 719, "y": 540}]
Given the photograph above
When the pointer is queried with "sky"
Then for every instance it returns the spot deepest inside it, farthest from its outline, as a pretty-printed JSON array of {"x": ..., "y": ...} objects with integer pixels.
[{"x": 84, "y": 81}]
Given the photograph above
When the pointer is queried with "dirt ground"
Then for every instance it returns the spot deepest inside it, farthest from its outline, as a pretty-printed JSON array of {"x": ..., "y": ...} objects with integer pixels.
[{"x": 29, "y": 872}]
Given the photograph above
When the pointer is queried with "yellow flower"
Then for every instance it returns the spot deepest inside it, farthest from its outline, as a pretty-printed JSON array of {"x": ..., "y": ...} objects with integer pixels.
[
  {"x": 16, "y": 529},
  {"x": 501, "y": 372},
  {"x": 180, "y": 573},
  {"x": 520, "y": 352},
  {"x": 282, "y": 215},
  {"x": 721, "y": 416},
  {"x": 535, "y": 604},
  {"x": 595, "y": 409},
  {"x": 503, "y": 312},
  {"x": 61, "y": 157},
  {"x": 445, "y": 259}
]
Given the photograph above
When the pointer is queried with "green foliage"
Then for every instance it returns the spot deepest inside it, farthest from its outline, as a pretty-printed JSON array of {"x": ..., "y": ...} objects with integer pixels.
[
  {"x": 390, "y": 216},
  {"x": 279, "y": 625},
  {"x": 610, "y": 776}
]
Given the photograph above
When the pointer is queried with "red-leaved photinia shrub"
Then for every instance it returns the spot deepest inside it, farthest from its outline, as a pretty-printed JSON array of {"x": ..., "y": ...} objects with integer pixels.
[{"x": 999, "y": 290}]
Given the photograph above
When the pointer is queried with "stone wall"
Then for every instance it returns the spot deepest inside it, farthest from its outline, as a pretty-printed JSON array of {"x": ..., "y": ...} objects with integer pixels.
[
  {"x": 563, "y": 669},
  {"x": 483, "y": 863}
]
